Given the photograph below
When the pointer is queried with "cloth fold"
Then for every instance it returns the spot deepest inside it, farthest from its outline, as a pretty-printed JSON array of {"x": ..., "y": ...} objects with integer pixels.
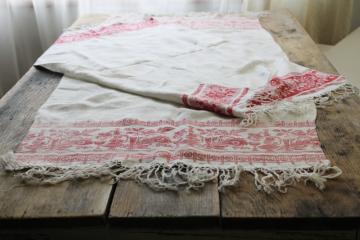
[{"x": 229, "y": 60}]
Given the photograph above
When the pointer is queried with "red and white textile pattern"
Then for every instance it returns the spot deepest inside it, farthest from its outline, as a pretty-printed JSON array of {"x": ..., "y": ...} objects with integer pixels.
[
  {"x": 174, "y": 102},
  {"x": 173, "y": 58}
]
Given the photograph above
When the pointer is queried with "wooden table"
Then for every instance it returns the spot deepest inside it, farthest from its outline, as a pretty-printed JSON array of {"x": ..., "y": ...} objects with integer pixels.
[{"x": 135, "y": 210}]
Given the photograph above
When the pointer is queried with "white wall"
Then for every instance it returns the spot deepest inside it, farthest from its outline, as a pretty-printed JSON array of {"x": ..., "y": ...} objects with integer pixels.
[
  {"x": 345, "y": 56},
  {"x": 356, "y": 15}
]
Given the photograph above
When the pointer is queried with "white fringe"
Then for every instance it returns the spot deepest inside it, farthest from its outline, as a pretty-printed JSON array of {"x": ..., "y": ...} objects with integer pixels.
[
  {"x": 321, "y": 101},
  {"x": 332, "y": 97},
  {"x": 270, "y": 181},
  {"x": 175, "y": 176}
]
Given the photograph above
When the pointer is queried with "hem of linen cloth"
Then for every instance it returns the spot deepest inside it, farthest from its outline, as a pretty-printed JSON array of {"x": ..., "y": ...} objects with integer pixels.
[
  {"x": 161, "y": 175},
  {"x": 321, "y": 100}
]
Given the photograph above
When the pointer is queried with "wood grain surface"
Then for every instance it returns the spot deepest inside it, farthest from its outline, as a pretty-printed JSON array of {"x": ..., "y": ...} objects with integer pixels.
[
  {"x": 69, "y": 199},
  {"x": 134, "y": 200},
  {"x": 338, "y": 129},
  {"x": 75, "y": 199}
]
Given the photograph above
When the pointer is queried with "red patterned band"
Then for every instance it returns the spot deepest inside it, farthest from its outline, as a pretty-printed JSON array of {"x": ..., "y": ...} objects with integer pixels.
[
  {"x": 239, "y": 23},
  {"x": 193, "y": 140}
]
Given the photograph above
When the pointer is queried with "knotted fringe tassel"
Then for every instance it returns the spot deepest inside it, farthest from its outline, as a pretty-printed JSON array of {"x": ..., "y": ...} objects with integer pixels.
[
  {"x": 336, "y": 95},
  {"x": 275, "y": 180},
  {"x": 175, "y": 176},
  {"x": 321, "y": 101}
]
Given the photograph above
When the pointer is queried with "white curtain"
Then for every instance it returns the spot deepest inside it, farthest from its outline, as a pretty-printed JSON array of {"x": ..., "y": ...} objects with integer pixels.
[
  {"x": 30, "y": 26},
  {"x": 9, "y": 70}
]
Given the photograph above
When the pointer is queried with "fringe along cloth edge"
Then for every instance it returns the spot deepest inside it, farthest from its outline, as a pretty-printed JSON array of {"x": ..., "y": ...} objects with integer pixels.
[
  {"x": 178, "y": 175},
  {"x": 322, "y": 100},
  {"x": 174, "y": 176}
]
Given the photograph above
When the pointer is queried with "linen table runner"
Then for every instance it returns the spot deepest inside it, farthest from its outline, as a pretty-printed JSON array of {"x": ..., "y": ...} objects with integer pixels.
[{"x": 176, "y": 101}]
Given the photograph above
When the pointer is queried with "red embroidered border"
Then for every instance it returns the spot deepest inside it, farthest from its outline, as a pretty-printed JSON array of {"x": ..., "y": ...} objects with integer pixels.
[
  {"x": 218, "y": 140},
  {"x": 105, "y": 31},
  {"x": 237, "y": 24},
  {"x": 169, "y": 138},
  {"x": 215, "y": 98},
  {"x": 293, "y": 84}
]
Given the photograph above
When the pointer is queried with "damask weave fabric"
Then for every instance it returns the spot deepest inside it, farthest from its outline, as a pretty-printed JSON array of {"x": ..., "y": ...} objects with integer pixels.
[{"x": 174, "y": 102}]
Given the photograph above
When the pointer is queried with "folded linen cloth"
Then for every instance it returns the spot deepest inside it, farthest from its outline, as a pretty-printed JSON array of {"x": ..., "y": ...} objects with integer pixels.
[{"x": 176, "y": 101}]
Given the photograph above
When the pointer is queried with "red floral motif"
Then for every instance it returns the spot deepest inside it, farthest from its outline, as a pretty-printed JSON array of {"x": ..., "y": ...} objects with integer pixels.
[
  {"x": 292, "y": 84},
  {"x": 209, "y": 141},
  {"x": 215, "y": 98},
  {"x": 106, "y": 30},
  {"x": 238, "y": 23},
  {"x": 144, "y": 140}
]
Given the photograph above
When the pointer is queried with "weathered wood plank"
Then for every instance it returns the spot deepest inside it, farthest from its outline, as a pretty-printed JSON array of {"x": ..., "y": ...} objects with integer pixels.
[
  {"x": 70, "y": 199},
  {"x": 132, "y": 200},
  {"x": 339, "y": 132},
  {"x": 295, "y": 41}
]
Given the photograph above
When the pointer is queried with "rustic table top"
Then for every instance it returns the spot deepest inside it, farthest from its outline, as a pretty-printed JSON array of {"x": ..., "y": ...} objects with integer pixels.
[{"x": 338, "y": 128}]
